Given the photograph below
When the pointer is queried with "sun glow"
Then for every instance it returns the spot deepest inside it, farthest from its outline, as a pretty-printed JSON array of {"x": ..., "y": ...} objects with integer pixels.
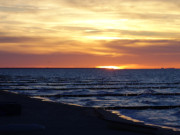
[
  {"x": 111, "y": 67},
  {"x": 102, "y": 38}
]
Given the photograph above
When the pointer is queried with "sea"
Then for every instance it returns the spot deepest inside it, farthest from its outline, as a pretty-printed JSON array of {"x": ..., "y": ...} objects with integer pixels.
[{"x": 148, "y": 95}]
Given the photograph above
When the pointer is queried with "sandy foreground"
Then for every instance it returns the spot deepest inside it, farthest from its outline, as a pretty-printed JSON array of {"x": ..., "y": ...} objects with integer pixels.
[{"x": 62, "y": 119}]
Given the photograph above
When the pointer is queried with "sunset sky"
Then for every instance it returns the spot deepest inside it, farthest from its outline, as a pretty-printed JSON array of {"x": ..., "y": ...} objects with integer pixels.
[{"x": 90, "y": 33}]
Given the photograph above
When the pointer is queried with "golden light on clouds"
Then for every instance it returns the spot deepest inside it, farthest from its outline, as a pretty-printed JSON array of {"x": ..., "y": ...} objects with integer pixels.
[
  {"x": 120, "y": 32},
  {"x": 102, "y": 38}
]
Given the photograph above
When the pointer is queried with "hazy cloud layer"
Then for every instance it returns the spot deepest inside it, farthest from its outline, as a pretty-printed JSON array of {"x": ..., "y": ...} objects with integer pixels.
[
  {"x": 145, "y": 47},
  {"x": 115, "y": 30}
]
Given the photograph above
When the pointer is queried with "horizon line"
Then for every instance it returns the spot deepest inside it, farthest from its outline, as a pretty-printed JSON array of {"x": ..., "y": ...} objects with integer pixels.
[{"x": 76, "y": 68}]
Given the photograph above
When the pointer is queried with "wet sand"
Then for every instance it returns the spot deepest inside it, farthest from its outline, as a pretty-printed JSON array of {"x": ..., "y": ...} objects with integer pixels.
[{"x": 60, "y": 119}]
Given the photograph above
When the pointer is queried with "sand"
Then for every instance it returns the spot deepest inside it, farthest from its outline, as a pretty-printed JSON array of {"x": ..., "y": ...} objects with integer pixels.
[{"x": 59, "y": 119}]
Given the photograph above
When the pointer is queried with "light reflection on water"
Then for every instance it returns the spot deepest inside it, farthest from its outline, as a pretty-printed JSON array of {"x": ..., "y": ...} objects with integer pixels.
[
  {"x": 168, "y": 117},
  {"x": 145, "y": 84}
]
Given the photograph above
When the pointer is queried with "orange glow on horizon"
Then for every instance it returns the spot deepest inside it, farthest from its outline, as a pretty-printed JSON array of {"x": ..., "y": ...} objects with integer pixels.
[{"x": 111, "y": 67}]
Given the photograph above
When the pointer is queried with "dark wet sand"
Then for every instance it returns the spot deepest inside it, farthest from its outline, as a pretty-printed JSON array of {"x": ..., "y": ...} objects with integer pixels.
[{"x": 58, "y": 119}]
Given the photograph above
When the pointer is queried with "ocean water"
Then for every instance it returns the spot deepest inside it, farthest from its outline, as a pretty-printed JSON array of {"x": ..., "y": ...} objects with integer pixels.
[{"x": 152, "y": 96}]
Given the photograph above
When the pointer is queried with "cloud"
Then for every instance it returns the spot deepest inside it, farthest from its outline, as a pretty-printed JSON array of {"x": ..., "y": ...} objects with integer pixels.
[
  {"x": 132, "y": 9},
  {"x": 78, "y": 18},
  {"x": 121, "y": 5},
  {"x": 148, "y": 28},
  {"x": 52, "y": 60},
  {"x": 17, "y": 9},
  {"x": 134, "y": 33},
  {"x": 50, "y": 45},
  {"x": 155, "y": 34},
  {"x": 146, "y": 47},
  {"x": 147, "y": 57},
  {"x": 6, "y": 39}
]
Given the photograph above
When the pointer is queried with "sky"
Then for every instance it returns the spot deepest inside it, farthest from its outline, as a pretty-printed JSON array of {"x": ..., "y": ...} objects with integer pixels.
[{"x": 90, "y": 33}]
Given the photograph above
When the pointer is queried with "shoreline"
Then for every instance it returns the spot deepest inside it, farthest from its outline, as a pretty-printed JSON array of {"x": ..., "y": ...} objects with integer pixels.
[{"x": 59, "y": 118}]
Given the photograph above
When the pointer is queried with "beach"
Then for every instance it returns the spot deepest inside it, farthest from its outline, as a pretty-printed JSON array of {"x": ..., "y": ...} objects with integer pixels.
[{"x": 58, "y": 119}]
